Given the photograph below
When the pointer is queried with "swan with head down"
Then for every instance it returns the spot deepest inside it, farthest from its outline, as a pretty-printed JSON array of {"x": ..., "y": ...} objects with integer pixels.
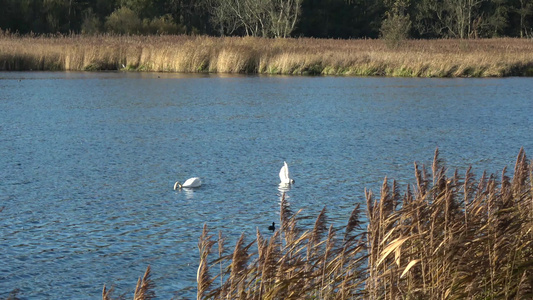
[{"x": 189, "y": 183}]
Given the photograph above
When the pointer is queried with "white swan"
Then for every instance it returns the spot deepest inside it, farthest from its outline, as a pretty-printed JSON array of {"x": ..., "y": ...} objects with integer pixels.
[
  {"x": 189, "y": 183},
  {"x": 284, "y": 174}
]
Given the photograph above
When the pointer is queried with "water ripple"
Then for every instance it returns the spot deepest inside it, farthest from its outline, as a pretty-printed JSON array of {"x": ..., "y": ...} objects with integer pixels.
[{"x": 89, "y": 161}]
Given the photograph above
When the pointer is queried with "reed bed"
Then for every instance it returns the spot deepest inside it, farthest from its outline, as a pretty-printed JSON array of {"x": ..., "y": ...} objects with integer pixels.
[
  {"x": 294, "y": 56},
  {"x": 445, "y": 237}
]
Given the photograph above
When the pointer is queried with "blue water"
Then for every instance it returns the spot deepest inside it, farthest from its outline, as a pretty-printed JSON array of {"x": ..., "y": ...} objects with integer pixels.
[{"x": 88, "y": 162}]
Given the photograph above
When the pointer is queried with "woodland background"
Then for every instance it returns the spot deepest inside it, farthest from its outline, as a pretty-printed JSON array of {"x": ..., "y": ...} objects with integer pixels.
[{"x": 343, "y": 19}]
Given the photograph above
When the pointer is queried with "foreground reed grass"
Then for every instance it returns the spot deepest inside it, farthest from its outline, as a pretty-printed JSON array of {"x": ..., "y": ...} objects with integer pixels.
[
  {"x": 186, "y": 54},
  {"x": 445, "y": 237}
]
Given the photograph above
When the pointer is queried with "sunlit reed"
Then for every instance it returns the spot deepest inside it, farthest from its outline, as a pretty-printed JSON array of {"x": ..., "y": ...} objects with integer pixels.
[
  {"x": 446, "y": 237},
  {"x": 303, "y": 56}
]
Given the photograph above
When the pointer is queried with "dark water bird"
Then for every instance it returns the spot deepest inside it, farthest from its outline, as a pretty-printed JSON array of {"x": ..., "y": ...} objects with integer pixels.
[{"x": 272, "y": 227}]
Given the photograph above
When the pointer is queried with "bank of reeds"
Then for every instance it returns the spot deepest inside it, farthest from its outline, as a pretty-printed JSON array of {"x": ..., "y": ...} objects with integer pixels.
[
  {"x": 186, "y": 54},
  {"x": 445, "y": 237}
]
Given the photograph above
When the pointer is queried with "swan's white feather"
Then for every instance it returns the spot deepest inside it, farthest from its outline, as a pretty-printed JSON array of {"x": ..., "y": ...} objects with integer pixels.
[
  {"x": 284, "y": 175},
  {"x": 192, "y": 183}
]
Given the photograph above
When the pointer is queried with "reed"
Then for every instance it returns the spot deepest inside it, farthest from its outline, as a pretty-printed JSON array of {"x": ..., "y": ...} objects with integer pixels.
[
  {"x": 144, "y": 290},
  {"x": 293, "y": 263},
  {"x": 145, "y": 287},
  {"x": 295, "y": 56},
  {"x": 455, "y": 238},
  {"x": 446, "y": 237}
]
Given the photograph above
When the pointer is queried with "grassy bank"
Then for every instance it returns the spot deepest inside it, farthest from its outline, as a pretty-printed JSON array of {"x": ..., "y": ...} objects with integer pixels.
[
  {"x": 444, "y": 237},
  {"x": 416, "y": 58}
]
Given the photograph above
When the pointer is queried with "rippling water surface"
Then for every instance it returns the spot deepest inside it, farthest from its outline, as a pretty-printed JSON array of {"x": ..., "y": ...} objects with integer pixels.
[{"x": 88, "y": 162}]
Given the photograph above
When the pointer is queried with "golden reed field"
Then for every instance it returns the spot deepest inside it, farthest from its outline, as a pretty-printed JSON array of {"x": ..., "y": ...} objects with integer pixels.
[{"x": 298, "y": 56}]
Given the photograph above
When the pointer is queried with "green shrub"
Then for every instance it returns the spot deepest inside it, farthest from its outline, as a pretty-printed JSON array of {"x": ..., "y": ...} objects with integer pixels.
[
  {"x": 396, "y": 26},
  {"x": 123, "y": 21},
  {"x": 162, "y": 25},
  {"x": 91, "y": 24}
]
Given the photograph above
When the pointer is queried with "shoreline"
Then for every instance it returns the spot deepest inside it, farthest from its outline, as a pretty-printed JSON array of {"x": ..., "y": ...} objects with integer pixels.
[{"x": 502, "y": 57}]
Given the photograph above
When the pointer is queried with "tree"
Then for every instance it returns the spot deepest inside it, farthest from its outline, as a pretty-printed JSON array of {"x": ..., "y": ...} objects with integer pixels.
[
  {"x": 254, "y": 15},
  {"x": 103, "y": 8},
  {"x": 449, "y": 18},
  {"x": 91, "y": 24},
  {"x": 142, "y": 8},
  {"x": 223, "y": 18},
  {"x": 496, "y": 18},
  {"x": 123, "y": 21},
  {"x": 266, "y": 18},
  {"x": 525, "y": 10},
  {"x": 162, "y": 25},
  {"x": 284, "y": 14},
  {"x": 276, "y": 18},
  {"x": 340, "y": 18},
  {"x": 396, "y": 26},
  {"x": 58, "y": 15},
  {"x": 463, "y": 16},
  {"x": 428, "y": 17},
  {"x": 191, "y": 14}
]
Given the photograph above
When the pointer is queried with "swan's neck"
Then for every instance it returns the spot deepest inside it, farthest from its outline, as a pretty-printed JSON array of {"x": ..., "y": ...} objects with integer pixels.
[{"x": 177, "y": 185}]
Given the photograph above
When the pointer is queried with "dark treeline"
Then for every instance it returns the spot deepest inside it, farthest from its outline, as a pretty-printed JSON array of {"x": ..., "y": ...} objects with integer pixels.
[{"x": 274, "y": 18}]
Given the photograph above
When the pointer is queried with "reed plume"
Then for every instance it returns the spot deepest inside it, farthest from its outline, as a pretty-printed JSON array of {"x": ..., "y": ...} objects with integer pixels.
[
  {"x": 353, "y": 223},
  {"x": 202, "y": 276},
  {"x": 145, "y": 287},
  {"x": 144, "y": 290},
  {"x": 466, "y": 239},
  {"x": 106, "y": 294}
]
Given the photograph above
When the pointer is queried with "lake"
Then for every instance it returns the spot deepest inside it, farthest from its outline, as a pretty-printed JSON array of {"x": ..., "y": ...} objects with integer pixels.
[{"x": 88, "y": 162}]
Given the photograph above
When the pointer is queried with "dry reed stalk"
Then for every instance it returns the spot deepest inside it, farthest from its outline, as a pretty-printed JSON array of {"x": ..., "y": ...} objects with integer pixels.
[
  {"x": 330, "y": 243},
  {"x": 353, "y": 223},
  {"x": 145, "y": 285},
  {"x": 220, "y": 243},
  {"x": 239, "y": 271},
  {"x": 268, "y": 263},
  {"x": 316, "y": 234},
  {"x": 294, "y": 269},
  {"x": 465, "y": 240},
  {"x": 417, "y": 58},
  {"x": 106, "y": 294},
  {"x": 202, "y": 276}
]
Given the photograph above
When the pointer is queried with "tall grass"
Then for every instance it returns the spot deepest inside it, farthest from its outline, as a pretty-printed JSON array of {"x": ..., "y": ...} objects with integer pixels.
[
  {"x": 453, "y": 237},
  {"x": 414, "y": 58},
  {"x": 445, "y": 237}
]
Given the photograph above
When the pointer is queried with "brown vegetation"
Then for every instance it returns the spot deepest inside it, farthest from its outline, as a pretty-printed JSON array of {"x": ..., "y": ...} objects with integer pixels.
[
  {"x": 444, "y": 238},
  {"x": 186, "y": 54},
  {"x": 143, "y": 291}
]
